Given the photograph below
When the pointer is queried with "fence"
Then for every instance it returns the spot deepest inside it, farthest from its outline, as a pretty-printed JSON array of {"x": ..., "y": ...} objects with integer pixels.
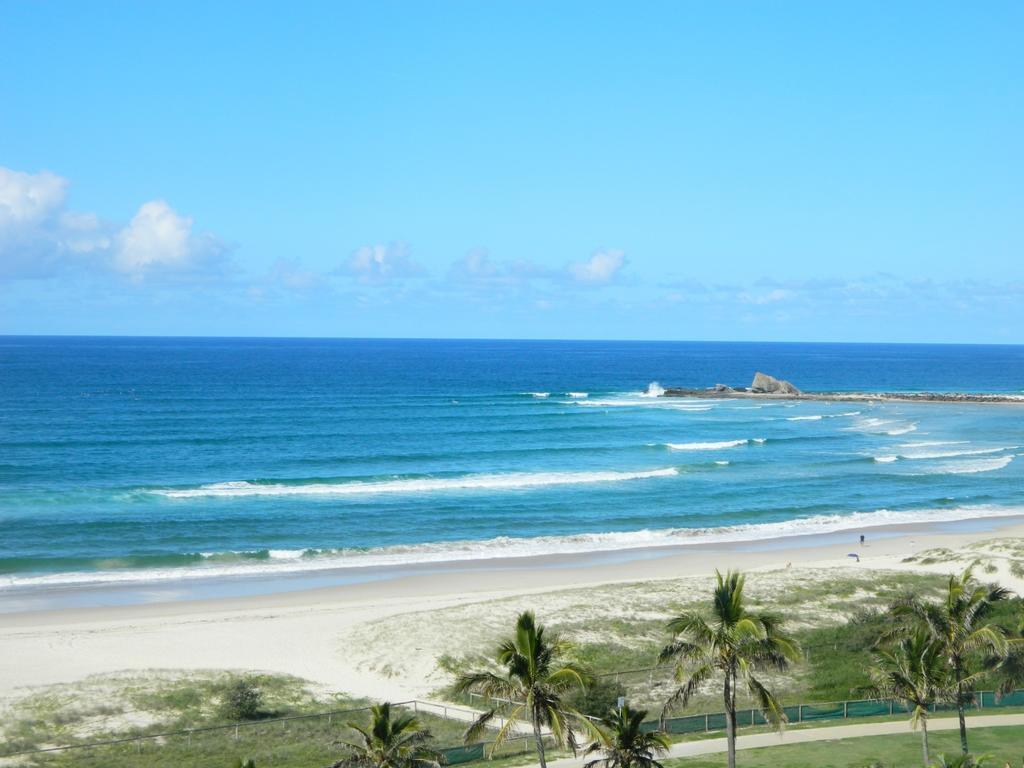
[
  {"x": 834, "y": 710},
  {"x": 312, "y": 737}
]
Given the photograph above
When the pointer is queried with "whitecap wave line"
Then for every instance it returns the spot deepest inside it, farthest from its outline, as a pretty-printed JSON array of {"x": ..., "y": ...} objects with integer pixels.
[
  {"x": 493, "y": 482},
  {"x": 886, "y": 459},
  {"x": 578, "y": 395},
  {"x": 967, "y": 467},
  {"x": 718, "y": 446},
  {"x": 722, "y": 463},
  {"x": 671, "y": 404},
  {"x": 902, "y": 430},
  {"x": 509, "y": 547},
  {"x": 876, "y": 426},
  {"x": 930, "y": 443},
  {"x": 922, "y": 455},
  {"x": 538, "y": 395},
  {"x": 804, "y": 418}
]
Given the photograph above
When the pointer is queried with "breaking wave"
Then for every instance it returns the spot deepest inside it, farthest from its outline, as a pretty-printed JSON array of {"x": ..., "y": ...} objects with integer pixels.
[
  {"x": 489, "y": 482},
  {"x": 967, "y": 467},
  {"x": 654, "y": 389},
  {"x": 706, "y": 446},
  {"x": 276, "y": 562}
]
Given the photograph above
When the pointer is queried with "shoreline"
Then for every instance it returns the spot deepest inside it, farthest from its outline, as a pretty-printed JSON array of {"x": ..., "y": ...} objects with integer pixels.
[
  {"x": 255, "y": 581},
  {"x": 340, "y": 636}
]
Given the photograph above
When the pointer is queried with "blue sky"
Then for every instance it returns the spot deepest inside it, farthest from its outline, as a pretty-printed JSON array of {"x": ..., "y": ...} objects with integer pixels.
[{"x": 765, "y": 171}]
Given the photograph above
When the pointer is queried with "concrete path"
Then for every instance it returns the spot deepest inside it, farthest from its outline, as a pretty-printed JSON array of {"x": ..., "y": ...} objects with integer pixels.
[{"x": 826, "y": 733}]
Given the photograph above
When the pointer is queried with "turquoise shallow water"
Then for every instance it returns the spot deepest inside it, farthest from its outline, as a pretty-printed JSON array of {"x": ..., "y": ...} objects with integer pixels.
[{"x": 142, "y": 460}]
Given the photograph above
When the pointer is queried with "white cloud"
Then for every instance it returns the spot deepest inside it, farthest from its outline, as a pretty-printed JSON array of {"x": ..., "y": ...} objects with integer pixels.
[
  {"x": 159, "y": 239},
  {"x": 29, "y": 198},
  {"x": 39, "y": 237},
  {"x": 381, "y": 263},
  {"x": 475, "y": 265},
  {"x": 602, "y": 267}
]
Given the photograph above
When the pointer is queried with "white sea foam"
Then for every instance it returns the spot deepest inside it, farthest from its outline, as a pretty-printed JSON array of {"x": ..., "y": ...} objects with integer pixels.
[
  {"x": 578, "y": 395},
  {"x": 886, "y": 459},
  {"x": 758, "y": 439},
  {"x": 654, "y": 389},
  {"x": 970, "y": 467},
  {"x": 918, "y": 455},
  {"x": 876, "y": 426},
  {"x": 671, "y": 404},
  {"x": 705, "y": 446},
  {"x": 489, "y": 482},
  {"x": 722, "y": 463},
  {"x": 508, "y": 547},
  {"x": 286, "y": 554},
  {"x": 902, "y": 430},
  {"x": 803, "y": 418},
  {"x": 538, "y": 395},
  {"x": 928, "y": 443}
]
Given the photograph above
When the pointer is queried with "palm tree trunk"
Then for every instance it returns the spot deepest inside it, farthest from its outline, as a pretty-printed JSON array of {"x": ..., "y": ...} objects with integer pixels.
[
  {"x": 730, "y": 718},
  {"x": 960, "y": 705},
  {"x": 924, "y": 742},
  {"x": 539, "y": 738}
]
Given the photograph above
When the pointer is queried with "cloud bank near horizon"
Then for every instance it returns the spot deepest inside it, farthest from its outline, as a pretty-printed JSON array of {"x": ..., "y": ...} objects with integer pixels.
[{"x": 159, "y": 253}]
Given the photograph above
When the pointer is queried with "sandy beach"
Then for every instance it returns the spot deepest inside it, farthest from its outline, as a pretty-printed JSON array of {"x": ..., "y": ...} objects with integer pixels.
[{"x": 383, "y": 638}]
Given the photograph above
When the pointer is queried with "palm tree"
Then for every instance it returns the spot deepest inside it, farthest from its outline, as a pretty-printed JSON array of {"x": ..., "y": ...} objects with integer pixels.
[
  {"x": 397, "y": 742},
  {"x": 957, "y": 624},
  {"x": 623, "y": 743},
  {"x": 1009, "y": 667},
  {"x": 535, "y": 677},
  {"x": 735, "y": 643},
  {"x": 915, "y": 671}
]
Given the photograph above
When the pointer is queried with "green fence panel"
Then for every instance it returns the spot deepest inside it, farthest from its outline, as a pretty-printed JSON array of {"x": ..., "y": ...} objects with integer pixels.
[
  {"x": 716, "y": 722},
  {"x": 1015, "y": 699},
  {"x": 830, "y": 711},
  {"x": 792, "y": 714},
  {"x": 759, "y": 718},
  {"x": 467, "y": 754},
  {"x": 867, "y": 708},
  {"x": 691, "y": 724}
]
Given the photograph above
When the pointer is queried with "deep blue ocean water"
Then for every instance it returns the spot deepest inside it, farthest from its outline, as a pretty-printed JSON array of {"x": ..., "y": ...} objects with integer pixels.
[{"x": 132, "y": 459}]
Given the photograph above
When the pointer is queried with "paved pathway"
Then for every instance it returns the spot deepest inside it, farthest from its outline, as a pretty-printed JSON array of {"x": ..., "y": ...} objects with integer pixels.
[{"x": 826, "y": 733}]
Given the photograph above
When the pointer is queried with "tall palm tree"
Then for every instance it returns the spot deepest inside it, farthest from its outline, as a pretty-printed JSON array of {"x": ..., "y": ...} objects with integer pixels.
[
  {"x": 388, "y": 742},
  {"x": 622, "y": 742},
  {"x": 915, "y": 671},
  {"x": 735, "y": 643},
  {"x": 957, "y": 623},
  {"x": 535, "y": 678}
]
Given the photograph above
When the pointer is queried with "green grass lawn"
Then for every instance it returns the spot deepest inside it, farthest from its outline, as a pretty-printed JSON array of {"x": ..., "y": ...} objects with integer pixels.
[{"x": 1006, "y": 745}]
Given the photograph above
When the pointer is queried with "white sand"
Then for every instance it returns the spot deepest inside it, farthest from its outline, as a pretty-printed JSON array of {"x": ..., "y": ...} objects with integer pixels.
[{"x": 382, "y": 639}]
